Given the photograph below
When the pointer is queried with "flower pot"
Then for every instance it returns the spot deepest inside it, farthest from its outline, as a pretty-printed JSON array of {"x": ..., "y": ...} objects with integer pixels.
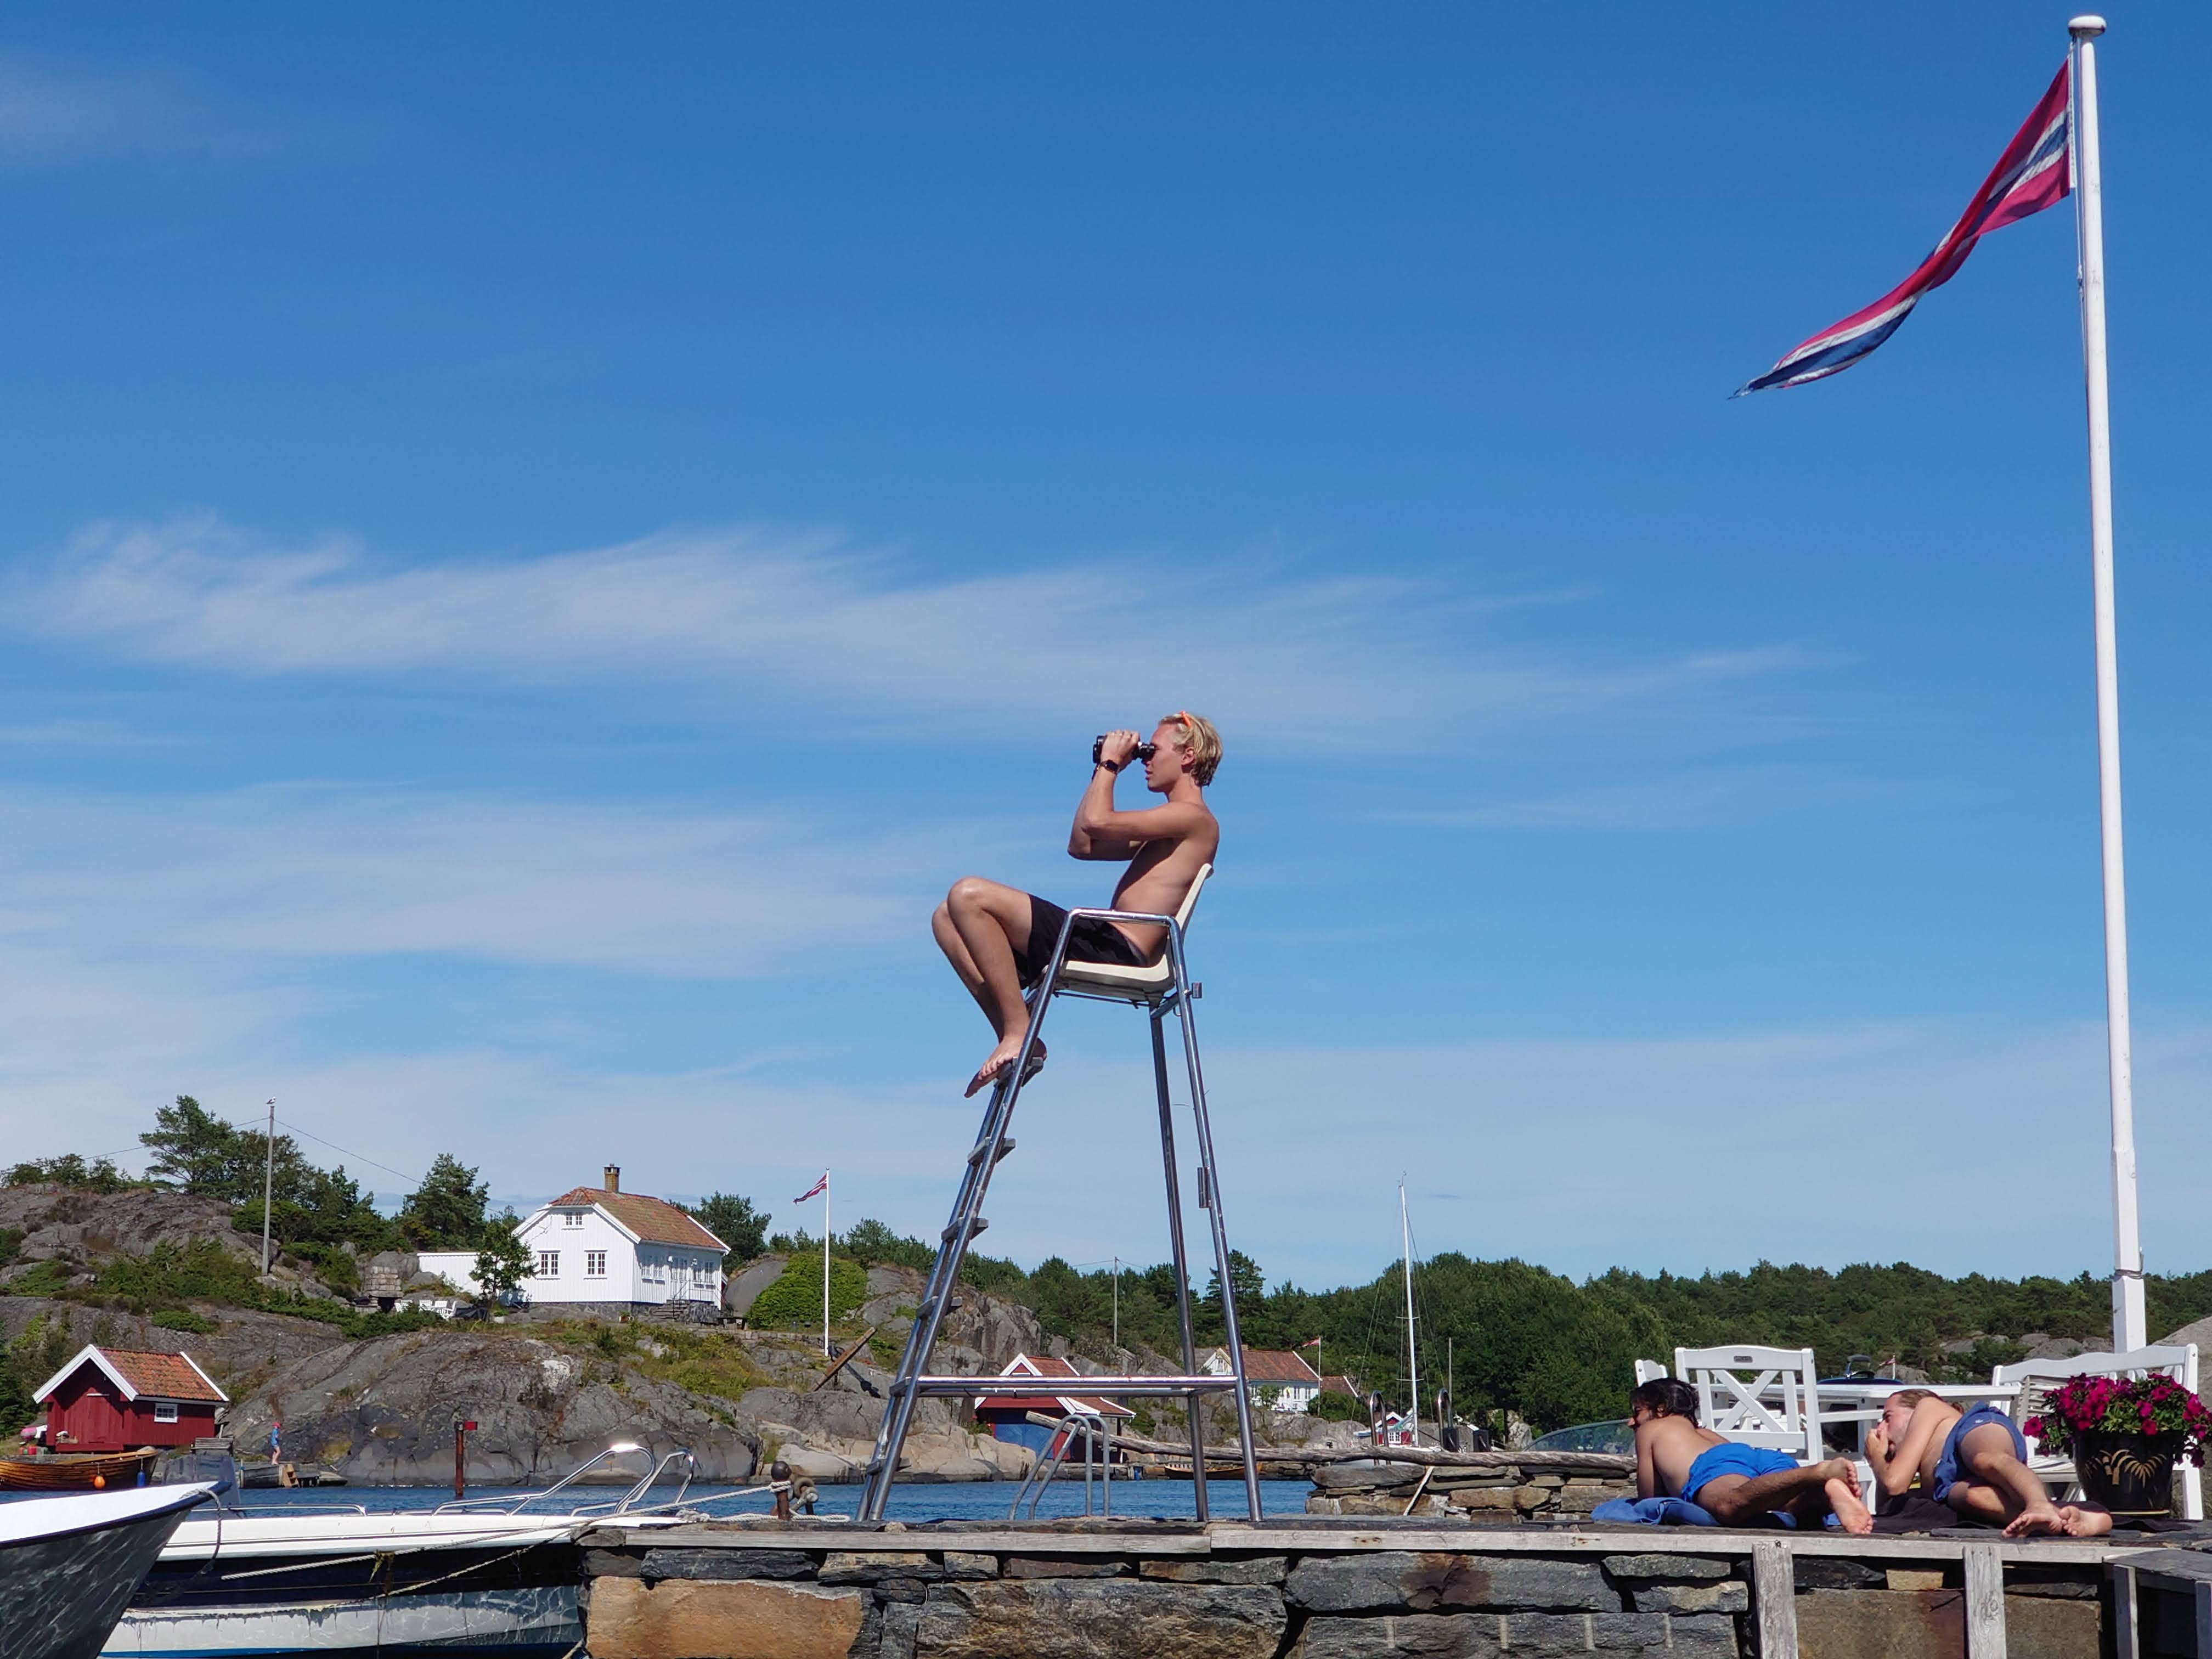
[{"x": 2127, "y": 1474}]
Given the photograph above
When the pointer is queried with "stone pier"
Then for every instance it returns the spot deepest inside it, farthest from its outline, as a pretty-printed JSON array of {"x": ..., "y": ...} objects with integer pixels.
[{"x": 1321, "y": 1587}]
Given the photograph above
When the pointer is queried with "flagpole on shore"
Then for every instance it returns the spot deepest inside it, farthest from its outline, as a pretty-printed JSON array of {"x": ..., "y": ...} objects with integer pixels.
[
  {"x": 2129, "y": 1323},
  {"x": 825, "y": 1264}
]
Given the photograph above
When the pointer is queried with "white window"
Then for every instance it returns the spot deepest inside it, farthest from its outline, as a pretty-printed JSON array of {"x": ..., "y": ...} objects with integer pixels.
[
  {"x": 548, "y": 1264},
  {"x": 165, "y": 1411},
  {"x": 595, "y": 1264},
  {"x": 656, "y": 1269},
  {"x": 572, "y": 1218}
]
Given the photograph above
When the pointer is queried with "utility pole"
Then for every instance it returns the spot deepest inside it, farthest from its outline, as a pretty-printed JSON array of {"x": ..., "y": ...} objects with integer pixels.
[{"x": 269, "y": 1185}]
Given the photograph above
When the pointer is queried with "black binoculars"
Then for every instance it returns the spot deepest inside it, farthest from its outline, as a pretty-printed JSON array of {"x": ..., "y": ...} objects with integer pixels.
[{"x": 1144, "y": 750}]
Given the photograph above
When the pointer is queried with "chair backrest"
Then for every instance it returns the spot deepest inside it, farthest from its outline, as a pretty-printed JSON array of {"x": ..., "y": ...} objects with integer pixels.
[
  {"x": 1758, "y": 1396},
  {"x": 1649, "y": 1370},
  {"x": 1190, "y": 899},
  {"x": 2177, "y": 1360}
]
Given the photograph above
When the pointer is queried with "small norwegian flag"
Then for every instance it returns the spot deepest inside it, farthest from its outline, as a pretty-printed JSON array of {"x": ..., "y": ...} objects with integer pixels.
[
  {"x": 1316, "y": 1343},
  {"x": 821, "y": 1185}
]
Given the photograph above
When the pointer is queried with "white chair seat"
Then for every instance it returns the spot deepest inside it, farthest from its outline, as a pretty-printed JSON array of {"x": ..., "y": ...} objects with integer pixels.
[{"x": 1146, "y": 984}]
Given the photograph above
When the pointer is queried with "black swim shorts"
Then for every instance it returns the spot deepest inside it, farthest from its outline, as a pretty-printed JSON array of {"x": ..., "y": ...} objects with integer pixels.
[{"x": 1091, "y": 940}]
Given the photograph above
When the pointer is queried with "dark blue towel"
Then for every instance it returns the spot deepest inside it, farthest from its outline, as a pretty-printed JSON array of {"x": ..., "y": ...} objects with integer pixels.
[{"x": 1654, "y": 1512}]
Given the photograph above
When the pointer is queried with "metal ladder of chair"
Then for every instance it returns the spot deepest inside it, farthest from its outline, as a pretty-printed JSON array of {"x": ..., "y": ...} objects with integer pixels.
[{"x": 912, "y": 1380}]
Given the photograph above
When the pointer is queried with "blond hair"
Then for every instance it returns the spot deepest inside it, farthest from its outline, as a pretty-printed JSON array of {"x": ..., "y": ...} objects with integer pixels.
[{"x": 1200, "y": 742}]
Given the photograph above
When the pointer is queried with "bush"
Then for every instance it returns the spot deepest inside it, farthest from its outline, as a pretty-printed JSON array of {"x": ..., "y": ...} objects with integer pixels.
[
  {"x": 1333, "y": 1407},
  {"x": 795, "y": 1301},
  {"x": 40, "y": 1279},
  {"x": 200, "y": 1270},
  {"x": 184, "y": 1319},
  {"x": 97, "y": 1175}
]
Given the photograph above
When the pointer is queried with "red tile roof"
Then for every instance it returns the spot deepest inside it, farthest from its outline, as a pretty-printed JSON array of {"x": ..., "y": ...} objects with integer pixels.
[
  {"x": 1265, "y": 1365},
  {"x": 160, "y": 1375},
  {"x": 654, "y": 1220},
  {"x": 1339, "y": 1384}
]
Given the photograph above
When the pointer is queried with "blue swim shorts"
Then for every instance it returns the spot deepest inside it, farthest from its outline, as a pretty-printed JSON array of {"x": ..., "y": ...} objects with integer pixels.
[
  {"x": 1947, "y": 1466},
  {"x": 1730, "y": 1458}
]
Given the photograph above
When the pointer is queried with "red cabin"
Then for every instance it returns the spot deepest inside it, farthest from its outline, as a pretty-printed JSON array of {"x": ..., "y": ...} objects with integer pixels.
[{"x": 111, "y": 1400}]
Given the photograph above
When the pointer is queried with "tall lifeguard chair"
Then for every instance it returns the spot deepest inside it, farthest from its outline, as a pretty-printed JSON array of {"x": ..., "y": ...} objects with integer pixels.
[{"x": 1162, "y": 989}]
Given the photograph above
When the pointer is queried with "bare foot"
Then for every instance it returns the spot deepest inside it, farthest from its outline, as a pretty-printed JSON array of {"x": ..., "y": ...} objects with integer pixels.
[
  {"x": 2085, "y": 1522},
  {"x": 2039, "y": 1520},
  {"x": 1851, "y": 1515},
  {"x": 1001, "y": 1058},
  {"x": 1843, "y": 1469}
]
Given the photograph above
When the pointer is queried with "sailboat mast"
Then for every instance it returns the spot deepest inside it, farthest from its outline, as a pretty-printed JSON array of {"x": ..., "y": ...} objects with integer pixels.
[{"x": 1412, "y": 1357}]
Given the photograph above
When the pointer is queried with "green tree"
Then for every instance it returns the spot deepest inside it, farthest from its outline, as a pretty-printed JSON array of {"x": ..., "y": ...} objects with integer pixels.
[
  {"x": 502, "y": 1264},
  {"x": 1250, "y": 1284},
  {"x": 871, "y": 1241},
  {"x": 192, "y": 1148},
  {"x": 447, "y": 1211},
  {"x": 734, "y": 1221}
]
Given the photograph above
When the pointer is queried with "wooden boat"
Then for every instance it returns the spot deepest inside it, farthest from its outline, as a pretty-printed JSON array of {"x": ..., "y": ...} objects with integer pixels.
[{"x": 75, "y": 1471}]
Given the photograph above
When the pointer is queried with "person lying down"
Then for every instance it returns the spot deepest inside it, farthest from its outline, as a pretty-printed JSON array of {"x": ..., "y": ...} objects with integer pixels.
[
  {"x": 1738, "y": 1486},
  {"x": 1974, "y": 1461}
]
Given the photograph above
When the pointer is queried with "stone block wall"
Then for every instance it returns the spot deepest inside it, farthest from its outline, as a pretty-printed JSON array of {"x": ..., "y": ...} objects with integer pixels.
[
  {"x": 673, "y": 1603},
  {"x": 1486, "y": 1496}
]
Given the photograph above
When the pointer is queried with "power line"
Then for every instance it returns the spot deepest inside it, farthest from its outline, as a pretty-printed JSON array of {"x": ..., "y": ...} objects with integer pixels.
[{"x": 349, "y": 1152}]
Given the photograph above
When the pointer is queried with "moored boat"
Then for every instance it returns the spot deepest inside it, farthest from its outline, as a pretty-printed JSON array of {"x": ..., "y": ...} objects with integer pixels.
[
  {"x": 75, "y": 1472},
  {"x": 475, "y": 1574},
  {"x": 69, "y": 1564}
]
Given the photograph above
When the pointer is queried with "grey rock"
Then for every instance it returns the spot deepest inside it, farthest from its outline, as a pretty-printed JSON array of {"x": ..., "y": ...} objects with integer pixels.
[
  {"x": 2200, "y": 1333},
  {"x": 1090, "y": 1618},
  {"x": 1667, "y": 1567},
  {"x": 744, "y": 1287},
  {"x": 961, "y": 1564},
  {"x": 896, "y": 1638},
  {"x": 1731, "y": 1597},
  {"x": 673, "y": 1563},
  {"x": 1033, "y": 1566},
  {"x": 1259, "y": 1570},
  {"x": 1834, "y": 1572},
  {"x": 1395, "y": 1579},
  {"x": 381, "y": 1411},
  {"x": 1538, "y": 1635},
  {"x": 873, "y": 1566}
]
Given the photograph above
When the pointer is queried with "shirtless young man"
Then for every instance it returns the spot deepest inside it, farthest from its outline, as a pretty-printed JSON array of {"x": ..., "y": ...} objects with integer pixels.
[
  {"x": 1975, "y": 1461},
  {"x": 1000, "y": 939},
  {"x": 1738, "y": 1486}
]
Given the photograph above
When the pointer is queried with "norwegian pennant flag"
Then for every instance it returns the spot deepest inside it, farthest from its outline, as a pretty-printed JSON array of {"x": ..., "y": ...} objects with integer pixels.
[
  {"x": 2034, "y": 172},
  {"x": 818, "y": 1186}
]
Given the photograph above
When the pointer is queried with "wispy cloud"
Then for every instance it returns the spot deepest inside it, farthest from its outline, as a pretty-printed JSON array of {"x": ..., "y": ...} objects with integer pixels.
[
  {"x": 1698, "y": 798},
  {"x": 741, "y": 617},
  {"x": 50, "y": 113},
  {"x": 315, "y": 872}
]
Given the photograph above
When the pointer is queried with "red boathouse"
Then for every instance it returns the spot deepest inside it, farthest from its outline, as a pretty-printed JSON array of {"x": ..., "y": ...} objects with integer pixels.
[{"x": 111, "y": 1400}]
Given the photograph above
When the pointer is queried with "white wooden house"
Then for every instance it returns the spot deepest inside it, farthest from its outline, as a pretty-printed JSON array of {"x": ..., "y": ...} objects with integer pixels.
[
  {"x": 1278, "y": 1382},
  {"x": 600, "y": 1245}
]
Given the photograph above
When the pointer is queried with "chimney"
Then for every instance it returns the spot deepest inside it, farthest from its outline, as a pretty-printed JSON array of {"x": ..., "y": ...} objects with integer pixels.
[{"x": 611, "y": 1177}]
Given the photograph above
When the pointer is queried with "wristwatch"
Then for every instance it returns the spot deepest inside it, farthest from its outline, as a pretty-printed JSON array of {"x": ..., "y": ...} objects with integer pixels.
[{"x": 1113, "y": 767}]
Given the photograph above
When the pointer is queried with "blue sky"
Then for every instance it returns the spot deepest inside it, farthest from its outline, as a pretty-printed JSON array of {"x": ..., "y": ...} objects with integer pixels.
[{"x": 536, "y": 546}]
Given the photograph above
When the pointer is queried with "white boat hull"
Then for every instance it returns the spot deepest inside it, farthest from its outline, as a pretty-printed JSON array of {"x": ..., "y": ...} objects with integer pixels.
[{"x": 543, "y": 1616}]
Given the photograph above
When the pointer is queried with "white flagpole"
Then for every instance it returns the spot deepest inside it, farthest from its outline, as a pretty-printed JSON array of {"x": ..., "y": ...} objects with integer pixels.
[
  {"x": 2130, "y": 1321},
  {"x": 825, "y": 1264}
]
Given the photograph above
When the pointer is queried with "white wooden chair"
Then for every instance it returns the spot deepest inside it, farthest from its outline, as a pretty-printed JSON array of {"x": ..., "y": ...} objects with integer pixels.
[
  {"x": 1649, "y": 1370},
  {"x": 1758, "y": 1396},
  {"x": 2033, "y": 1376}
]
